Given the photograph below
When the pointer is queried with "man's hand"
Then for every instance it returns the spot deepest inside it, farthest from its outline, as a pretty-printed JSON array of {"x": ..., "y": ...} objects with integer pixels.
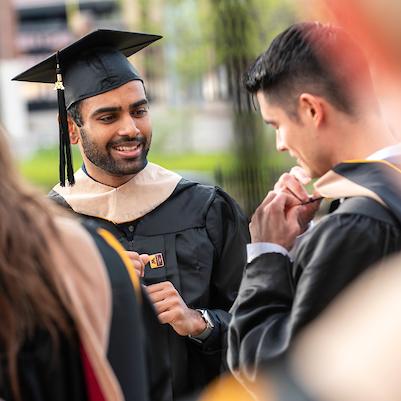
[
  {"x": 293, "y": 183},
  {"x": 275, "y": 220},
  {"x": 171, "y": 309},
  {"x": 139, "y": 262}
]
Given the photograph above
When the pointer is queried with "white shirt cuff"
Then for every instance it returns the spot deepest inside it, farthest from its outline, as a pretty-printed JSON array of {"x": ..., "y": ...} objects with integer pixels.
[{"x": 258, "y": 248}]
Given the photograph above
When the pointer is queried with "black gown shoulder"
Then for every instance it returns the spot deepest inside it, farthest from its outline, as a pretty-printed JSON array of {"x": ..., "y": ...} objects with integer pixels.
[{"x": 279, "y": 296}]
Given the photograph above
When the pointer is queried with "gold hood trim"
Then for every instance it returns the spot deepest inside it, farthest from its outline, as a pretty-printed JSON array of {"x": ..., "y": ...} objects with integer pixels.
[
  {"x": 87, "y": 293},
  {"x": 335, "y": 186}
]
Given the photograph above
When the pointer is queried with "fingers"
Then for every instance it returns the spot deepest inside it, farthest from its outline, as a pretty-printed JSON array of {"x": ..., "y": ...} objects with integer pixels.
[
  {"x": 138, "y": 261},
  {"x": 167, "y": 317},
  {"x": 166, "y": 304},
  {"x": 306, "y": 213},
  {"x": 269, "y": 197},
  {"x": 293, "y": 219},
  {"x": 301, "y": 175},
  {"x": 170, "y": 308},
  {"x": 290, "y": 183},
  {"x": 170, "y": 316},
  {"x": 160, "y": 291},
  {"x": 273, "y": 222},
  {"x": 164, "y": 296},
  {"x": 160, "y": 287},
  {"x": 145, "y": 258},
  {"x": 277, "y": 203},
  {"x": 279, "y": 207}
]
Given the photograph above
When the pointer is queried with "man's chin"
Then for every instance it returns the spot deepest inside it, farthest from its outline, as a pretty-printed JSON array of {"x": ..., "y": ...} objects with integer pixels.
[
  {"x": 133, "y": 169},
  {"x": 304, "y": 167},
  {"x": 308, "y": 171}
]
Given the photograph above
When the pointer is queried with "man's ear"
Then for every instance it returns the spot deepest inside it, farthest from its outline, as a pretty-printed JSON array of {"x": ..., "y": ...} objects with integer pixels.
[
  {"x": 312, "y": 108},
  {"x": 73, "y": 130}
]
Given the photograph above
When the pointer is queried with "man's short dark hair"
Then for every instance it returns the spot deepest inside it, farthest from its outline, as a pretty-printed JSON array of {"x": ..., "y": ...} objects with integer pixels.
[
  {"x": 311, "y": 57},
  {"x": 74, "y": 111}
]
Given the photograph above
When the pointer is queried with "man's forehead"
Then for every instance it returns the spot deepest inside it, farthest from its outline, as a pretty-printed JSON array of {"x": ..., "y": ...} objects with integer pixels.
[
  {"x": 266, "y": 107},
  {"x": 262, "y": 100}
]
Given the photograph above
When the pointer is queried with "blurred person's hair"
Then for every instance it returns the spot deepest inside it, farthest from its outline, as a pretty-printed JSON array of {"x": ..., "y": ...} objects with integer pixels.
[
  {"x": 30, "y": 298},
  {"x": 313, "y": 58}
]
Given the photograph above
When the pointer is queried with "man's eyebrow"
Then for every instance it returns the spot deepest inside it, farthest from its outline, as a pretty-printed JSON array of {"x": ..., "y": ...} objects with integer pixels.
[
  {"x": 105, "y": 110},
  {"x": 111, "y": 109},
  {"x": 138, "y": 103}
]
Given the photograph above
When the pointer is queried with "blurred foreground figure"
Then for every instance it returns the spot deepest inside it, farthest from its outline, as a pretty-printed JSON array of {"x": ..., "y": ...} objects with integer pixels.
[
  {"x": 313, "y": 87},
  {"x": 376, "y": 25},
  {"x": 56, "y": 302},
  {"x": 350, "y": 353}
]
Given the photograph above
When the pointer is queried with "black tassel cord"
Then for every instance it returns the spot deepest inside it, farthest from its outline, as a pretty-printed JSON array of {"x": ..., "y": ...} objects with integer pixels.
[{"x": 64, "y": 138}]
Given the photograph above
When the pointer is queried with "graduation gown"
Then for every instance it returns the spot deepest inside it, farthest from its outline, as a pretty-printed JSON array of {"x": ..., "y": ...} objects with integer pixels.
[
  {"x": 76, "y": 368},
  {"x": 198, "y": 235},
  {"x": 279, "y": 296}
]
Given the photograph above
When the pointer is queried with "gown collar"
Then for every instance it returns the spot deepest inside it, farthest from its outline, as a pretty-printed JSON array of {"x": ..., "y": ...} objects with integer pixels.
[
  {"x": 376, "y": 179},
  {"x": 128, "y": 202}
]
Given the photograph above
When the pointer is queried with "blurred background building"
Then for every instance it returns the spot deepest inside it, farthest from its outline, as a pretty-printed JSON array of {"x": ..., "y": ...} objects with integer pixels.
[{"x": 203, "y": 122}]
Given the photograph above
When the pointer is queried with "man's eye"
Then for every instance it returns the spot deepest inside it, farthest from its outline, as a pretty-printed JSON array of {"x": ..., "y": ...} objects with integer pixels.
[
  {"x": 140, "y": 112},
  {"x": 107, "y": 118}
]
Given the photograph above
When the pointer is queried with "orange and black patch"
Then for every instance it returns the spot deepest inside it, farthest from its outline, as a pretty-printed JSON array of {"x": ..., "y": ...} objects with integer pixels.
[{"x": 156, "y": 261}]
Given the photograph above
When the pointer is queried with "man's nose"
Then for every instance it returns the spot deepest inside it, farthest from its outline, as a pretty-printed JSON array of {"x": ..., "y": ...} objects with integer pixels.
[
  {"x": 280, "y": 144},
  {"x": 129, "y": 127}
]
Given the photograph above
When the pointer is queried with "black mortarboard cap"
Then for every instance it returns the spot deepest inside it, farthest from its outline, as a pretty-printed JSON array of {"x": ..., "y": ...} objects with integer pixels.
[{"x": 88, "y": 67}]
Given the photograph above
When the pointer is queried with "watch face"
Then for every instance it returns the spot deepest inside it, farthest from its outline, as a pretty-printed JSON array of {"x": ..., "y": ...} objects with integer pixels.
[
  {"x": 209, "y": 326},
  {"x": 207, "y": 318}
]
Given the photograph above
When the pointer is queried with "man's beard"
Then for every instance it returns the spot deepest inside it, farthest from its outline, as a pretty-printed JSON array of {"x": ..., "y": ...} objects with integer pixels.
[{"x": 105, "y": 161}]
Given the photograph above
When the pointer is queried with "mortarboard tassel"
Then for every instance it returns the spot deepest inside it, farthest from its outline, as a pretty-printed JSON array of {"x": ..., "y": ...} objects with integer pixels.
[{"x": 64, "y": 138}]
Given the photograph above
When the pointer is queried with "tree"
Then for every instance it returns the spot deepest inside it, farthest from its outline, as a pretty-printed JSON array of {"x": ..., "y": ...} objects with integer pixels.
[{"x": 242, "y": 28}]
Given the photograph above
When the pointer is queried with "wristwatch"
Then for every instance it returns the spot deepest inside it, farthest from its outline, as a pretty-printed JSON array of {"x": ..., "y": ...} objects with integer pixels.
[{"x": 209, "y": 327}]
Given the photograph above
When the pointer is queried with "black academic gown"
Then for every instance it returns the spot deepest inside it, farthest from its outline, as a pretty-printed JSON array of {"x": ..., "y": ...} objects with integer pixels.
[
  {"x": 127, "y": 338},
  {"x": 278, "y": 296},
  {"x": 54, "y": 372},
  {"x": 201, "y": 234},
  {"x": 46, "y": 373}
]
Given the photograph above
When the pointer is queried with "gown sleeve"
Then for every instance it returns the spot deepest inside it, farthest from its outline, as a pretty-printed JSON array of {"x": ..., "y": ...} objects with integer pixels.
[
  {"x": 278, "y": 297},
  {"x": 227, "y": 228}
]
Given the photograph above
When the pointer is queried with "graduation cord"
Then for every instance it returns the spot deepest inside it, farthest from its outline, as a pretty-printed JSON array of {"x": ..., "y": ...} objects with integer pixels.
[
  {"x": 65, "y": 157},
  {"x": 311, "y": 199}
]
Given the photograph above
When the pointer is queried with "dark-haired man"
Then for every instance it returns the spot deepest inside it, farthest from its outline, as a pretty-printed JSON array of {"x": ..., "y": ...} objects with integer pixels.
[
  {"x": 313, "y": 87},
  {"x": 195, "y": 234}
]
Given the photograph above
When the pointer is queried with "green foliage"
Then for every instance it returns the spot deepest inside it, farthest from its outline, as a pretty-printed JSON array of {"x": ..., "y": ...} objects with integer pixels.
[
  {"x": 203, "y": 34},
  {"x": 270, "y": 18},
  {"x": 199, "y": 37},
  {"x": 188, "y": 33},
  {"x": 41, "y": 169}
]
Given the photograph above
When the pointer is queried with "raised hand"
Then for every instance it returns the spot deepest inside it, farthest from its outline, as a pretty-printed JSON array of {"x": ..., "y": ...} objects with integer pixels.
[
  {"x": 276, "y": 220},
  {"x": 139, "y": 261},
  {"x": 171, "y": 309}
]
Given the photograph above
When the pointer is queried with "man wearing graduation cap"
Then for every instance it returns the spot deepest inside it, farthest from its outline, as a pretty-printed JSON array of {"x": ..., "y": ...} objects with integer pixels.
[
  {"x": 195, "y": 234},
  {"x": 313, "y": 87}
]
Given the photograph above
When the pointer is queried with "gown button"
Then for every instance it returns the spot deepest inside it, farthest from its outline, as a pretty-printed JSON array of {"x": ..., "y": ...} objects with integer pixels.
[{"x": 131, "y": 228}]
